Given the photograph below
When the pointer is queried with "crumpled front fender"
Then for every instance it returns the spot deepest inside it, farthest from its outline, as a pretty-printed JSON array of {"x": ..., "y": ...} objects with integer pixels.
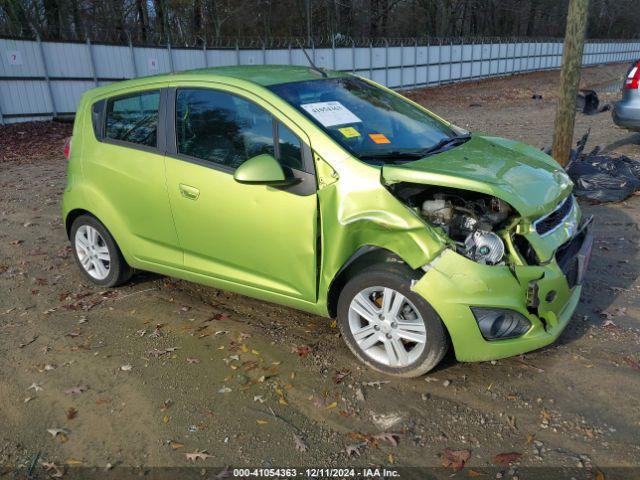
[{"x": 454, "y": 283}]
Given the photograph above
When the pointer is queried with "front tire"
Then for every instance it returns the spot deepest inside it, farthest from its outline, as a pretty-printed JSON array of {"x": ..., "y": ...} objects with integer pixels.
[
  {"x": 387, "y": 325},
  {"x": 97, "y": 253}
]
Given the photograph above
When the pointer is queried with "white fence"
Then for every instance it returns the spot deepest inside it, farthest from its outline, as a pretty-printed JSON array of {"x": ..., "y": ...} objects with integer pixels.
[{"x": 40, "y": 80}]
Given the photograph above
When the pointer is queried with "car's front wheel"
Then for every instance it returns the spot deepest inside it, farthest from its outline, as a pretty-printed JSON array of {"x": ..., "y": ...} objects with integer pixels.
[
  {"x": 97, "y": 253},
  {"x": 387, "y": 325}
]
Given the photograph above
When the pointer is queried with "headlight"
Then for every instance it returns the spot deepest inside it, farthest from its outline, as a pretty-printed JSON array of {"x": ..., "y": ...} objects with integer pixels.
[{"x": 500, "y": 323}]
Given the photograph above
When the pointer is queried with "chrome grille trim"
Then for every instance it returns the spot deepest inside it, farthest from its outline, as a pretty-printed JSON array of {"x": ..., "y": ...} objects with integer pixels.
[{"x": 559, "y": 221}]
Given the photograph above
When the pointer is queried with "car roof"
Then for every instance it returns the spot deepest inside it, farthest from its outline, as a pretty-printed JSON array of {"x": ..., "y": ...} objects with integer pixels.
[
  {"x": 263, "y": 75},
  {"x": 266, "y": 74}
]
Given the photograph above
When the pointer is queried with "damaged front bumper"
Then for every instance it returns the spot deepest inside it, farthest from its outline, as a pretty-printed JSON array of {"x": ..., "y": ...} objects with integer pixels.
[{"x": 546, "y": 295}]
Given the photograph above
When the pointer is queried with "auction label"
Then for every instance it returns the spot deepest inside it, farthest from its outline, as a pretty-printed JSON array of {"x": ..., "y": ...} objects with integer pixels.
[{"x": 330, "y": 114}]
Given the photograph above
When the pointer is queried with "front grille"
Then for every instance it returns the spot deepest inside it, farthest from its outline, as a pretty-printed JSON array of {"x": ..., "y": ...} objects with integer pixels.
[{"x": 553, "y": 220}]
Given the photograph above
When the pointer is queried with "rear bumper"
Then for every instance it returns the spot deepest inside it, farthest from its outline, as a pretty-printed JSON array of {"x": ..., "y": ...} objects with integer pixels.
[
  {"x": 546, "y": 295},
  {"x": 626, "y": 114}
]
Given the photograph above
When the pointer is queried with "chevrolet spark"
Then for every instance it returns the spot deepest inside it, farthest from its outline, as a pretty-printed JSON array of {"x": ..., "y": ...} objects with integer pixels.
[{"x": 331, "y": 194}]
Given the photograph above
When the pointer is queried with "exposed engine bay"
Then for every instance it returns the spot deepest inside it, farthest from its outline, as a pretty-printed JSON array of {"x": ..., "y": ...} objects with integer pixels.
[{"x": 469, "y": 219}]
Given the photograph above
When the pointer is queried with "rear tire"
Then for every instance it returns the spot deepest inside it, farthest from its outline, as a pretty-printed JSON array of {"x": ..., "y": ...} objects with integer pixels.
[
  {"x": 388, "y": 326},
  {"x": 97, "y": 253}
]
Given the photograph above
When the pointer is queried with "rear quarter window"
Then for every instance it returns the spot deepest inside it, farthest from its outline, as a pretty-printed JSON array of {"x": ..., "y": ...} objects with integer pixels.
[{"x": 134, "y": 118}]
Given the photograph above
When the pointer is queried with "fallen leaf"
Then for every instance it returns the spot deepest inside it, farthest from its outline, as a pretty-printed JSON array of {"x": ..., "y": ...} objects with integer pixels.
[
  {"x": 53, "y": 470},
  {"x": 391, "y": 438},
  {"x": 59, "y": 433},
  {"x": 611, "y": 313},
  {"x": 354, "y": 449},
  {"x": 332, "y": 405},
  {"x": 176, "y": 445},
  {"x": 126, "y": 368},
  {"x": 455, "y": 458},
  {"x": 165, "y": 419},
  {"x": 299, "y": 444},
  {"x": 77, "y": 390},
  {"x": 159, "y": 353},
  {"x": 504, "y": 459},
  {"x": 224, "y": 390},
  {"x": 340, "y": 375},
  {"x": 71, "y": 413},
  {"x": 197, "y": 455},
  {"x": 302, "y": 350},
  {"x": 261, "y": 422},
  {"x": 192, "y": 361}
]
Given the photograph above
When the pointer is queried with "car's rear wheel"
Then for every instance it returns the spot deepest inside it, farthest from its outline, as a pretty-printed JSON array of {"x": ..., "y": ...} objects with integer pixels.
[
  {"x": 97, "y": 253},
  {"x": 387, "y": 325}
]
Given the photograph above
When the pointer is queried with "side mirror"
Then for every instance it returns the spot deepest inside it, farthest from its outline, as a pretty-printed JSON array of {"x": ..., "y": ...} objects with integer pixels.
[{"x": 261, "y": 170}]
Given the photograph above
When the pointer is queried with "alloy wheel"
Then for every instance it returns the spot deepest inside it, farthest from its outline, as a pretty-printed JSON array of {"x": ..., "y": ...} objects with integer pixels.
[
  {"x": 92, "y": 252},
  {"x": 387, "y": 326}
]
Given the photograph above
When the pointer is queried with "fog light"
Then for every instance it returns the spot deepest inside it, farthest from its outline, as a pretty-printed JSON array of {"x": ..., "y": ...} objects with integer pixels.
[{"x": 499, "y": 323}]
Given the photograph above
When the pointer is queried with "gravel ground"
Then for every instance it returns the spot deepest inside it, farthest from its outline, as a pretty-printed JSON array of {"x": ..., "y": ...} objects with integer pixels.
[{"x": 145, "y": 374}]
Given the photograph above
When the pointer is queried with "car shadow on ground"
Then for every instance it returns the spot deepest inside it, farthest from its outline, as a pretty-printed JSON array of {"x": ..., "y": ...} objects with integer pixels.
[{"x": 631, "y": 139}]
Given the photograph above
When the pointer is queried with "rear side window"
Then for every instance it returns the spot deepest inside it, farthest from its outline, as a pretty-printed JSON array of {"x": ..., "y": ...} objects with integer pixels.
[
  {"x": 134, "y": 118},
  {"x": 227, "y": 130}
]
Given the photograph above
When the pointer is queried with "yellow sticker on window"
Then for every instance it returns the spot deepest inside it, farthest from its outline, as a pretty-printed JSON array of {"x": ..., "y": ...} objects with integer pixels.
[
  {"x": 349, "y": 132},
  {"x": 379, "y": 138}
]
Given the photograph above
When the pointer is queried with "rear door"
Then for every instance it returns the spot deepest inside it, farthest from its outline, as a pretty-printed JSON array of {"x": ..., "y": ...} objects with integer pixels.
[
  {"x": 254, "y": 236},
  {"x": 128, "y": 171}
]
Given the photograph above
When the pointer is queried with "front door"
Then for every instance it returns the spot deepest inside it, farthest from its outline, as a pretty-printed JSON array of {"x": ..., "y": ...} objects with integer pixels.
[{"x": 251, "y": 235}]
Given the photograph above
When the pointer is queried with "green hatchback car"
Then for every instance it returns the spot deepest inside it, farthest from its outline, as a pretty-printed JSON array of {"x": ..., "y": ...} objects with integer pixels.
[{"x": 331, "y": 194}]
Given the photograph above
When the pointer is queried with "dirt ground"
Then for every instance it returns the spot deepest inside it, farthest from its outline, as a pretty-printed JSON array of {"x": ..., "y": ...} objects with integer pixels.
[{"x": 142, "y": 375}]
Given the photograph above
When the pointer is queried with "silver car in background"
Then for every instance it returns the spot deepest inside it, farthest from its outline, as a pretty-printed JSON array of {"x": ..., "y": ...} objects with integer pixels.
[{"x": 626, "y": 112}]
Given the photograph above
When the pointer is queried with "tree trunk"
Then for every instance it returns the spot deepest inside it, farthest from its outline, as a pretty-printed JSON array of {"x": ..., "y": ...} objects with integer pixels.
[
  {"x": 569, "y": 80},
  {"x": 143, "y": 19}
]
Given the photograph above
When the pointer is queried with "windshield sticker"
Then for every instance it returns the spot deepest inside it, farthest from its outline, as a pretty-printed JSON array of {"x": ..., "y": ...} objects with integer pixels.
[
  {"x": 349, "y": 132},
  {"x": 379, "y": 138},
  {"x": 330, "y": 114}
]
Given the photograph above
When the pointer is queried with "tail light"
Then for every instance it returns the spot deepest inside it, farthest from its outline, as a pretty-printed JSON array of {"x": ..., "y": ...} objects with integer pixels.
[
  {"x": 633, "y": 79},
  {"x": 67, "y": 148}
]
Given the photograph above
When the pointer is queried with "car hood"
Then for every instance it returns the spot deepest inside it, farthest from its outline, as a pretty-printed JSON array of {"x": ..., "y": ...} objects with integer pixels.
[{"x": 526, "y": 178}]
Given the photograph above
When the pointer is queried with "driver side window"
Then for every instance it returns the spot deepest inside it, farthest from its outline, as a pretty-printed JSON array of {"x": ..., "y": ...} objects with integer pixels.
[{"x": 221, "y": 128}]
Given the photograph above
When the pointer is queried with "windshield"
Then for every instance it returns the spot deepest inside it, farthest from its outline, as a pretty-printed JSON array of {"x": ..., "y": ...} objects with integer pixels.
[{"x": 368, "y": 121}]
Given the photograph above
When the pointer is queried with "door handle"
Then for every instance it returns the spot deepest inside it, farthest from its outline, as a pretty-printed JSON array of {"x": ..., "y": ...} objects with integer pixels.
[{"x": 187, "y": 191}]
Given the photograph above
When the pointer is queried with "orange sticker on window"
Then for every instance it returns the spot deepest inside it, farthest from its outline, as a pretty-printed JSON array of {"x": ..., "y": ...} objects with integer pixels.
[{"x": 379, "y": 138}]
